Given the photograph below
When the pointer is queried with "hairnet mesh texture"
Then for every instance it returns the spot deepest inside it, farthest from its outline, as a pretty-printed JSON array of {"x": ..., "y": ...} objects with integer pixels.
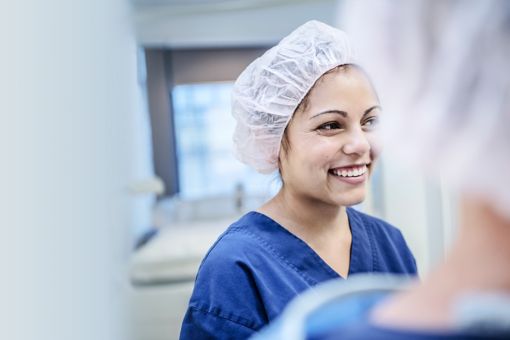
[{"x": 269, "y": 90}]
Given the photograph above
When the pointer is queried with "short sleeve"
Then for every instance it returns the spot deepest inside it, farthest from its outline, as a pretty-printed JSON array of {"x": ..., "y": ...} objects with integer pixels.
[
  {"x": 202, "y": 324},
  {"x": 226, "y": 302}
]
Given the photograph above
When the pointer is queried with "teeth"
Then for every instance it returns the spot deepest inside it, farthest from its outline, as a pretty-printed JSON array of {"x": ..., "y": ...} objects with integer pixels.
[{"x": 354, "y": 172}]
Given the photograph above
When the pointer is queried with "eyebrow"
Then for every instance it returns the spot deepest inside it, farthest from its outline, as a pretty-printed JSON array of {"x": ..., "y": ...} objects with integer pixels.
[{"x": 345, "y": 114}]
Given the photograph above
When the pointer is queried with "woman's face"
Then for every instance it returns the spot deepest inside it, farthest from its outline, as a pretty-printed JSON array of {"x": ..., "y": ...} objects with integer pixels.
[{"x": 332, "y": 147}]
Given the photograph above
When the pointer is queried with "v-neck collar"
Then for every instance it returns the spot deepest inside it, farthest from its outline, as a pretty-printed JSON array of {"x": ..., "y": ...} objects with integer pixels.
[
  {"x": 298, "y": 255},
  {"x": 362, "y": 249}
]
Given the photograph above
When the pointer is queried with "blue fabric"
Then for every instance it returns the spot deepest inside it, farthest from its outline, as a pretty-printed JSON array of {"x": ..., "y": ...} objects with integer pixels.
[
  {"x": 256, "y": 267},
  {"x": 348, "y": 320},
  {"x": 364, "y": 330},
  {"x": 334, "y": 315}
]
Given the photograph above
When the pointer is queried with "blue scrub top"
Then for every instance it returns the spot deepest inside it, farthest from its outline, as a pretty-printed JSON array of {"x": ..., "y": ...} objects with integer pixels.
[
  {"x": 342, "y": 310},
  {"x": 349, "y": 319},
  {"x": 257, "y": 266}
]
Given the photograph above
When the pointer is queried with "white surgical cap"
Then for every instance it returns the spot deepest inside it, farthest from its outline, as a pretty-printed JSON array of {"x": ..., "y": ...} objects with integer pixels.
[
  {"x": 446, "y": 65},
  {"x": 269, "y": 90}
]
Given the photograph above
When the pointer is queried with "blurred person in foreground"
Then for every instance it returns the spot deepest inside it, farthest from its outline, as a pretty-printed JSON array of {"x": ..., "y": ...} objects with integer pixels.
[{"x": 455, "y": 124}]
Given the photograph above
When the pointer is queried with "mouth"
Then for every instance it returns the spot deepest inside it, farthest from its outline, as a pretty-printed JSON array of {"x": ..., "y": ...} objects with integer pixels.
[
  {"x": 352, "y": 174},
  {"x": 350, "y": 171}
]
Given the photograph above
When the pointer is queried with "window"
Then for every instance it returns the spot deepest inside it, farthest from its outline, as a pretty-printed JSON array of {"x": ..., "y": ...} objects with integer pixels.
[{"x": 203, "y": 132}]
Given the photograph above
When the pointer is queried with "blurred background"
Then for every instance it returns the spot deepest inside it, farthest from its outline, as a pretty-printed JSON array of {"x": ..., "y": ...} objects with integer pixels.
[{"x": 117, "y": 168}]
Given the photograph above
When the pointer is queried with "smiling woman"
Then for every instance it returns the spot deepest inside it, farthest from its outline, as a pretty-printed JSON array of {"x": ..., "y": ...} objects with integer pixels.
[
  {"x": 306, "y": 110},
  {"x": 333, "y": 131}
]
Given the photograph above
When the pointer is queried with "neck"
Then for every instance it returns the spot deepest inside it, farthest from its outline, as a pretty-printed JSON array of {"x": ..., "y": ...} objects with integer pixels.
[{"x": 305, "y": 216}]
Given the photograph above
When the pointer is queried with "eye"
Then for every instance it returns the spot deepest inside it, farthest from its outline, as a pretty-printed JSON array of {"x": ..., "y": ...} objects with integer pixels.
[
  {"x": 329, "y": 126},
  {"x": 371, "y": 122}
]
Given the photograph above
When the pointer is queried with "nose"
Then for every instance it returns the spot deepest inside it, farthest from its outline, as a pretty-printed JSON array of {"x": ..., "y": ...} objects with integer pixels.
[{"x": 356, "y": 144}]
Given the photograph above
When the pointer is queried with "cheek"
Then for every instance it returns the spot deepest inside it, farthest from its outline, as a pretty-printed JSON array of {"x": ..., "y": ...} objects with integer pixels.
[
  {"x": 375, "y": 145},
  {"x": 324, "y": 151}
]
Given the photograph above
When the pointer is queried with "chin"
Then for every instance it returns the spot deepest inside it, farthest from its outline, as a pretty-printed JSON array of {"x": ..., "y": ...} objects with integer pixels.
[
  {"x": 352, "y": 199},
  {"x": 353, "y": 202}
]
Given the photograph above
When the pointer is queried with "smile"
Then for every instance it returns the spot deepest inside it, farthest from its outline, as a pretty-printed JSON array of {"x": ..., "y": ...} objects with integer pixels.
[{"x": 350, "y": 171}]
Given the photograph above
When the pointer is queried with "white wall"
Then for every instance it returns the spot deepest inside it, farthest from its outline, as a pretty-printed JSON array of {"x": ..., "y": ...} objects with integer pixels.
[
  {"x": 225, "y": 23},
  {"x": 68, "y": 149},
  {"x": 407, "y": 207}
]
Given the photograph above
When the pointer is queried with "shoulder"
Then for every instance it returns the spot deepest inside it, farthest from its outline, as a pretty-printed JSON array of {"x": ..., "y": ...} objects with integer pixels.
[
  {"x": 389, "y": 248},
  {"x": 231, "y": 259},
  {"x": 226, "y": 287},
  {"x": 375, "y": 224},
  {"x": 238, "y": 243}
]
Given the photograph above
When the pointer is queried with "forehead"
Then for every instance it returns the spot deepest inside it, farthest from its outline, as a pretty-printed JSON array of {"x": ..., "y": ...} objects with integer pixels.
[{"x": 347, "y": 89}]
